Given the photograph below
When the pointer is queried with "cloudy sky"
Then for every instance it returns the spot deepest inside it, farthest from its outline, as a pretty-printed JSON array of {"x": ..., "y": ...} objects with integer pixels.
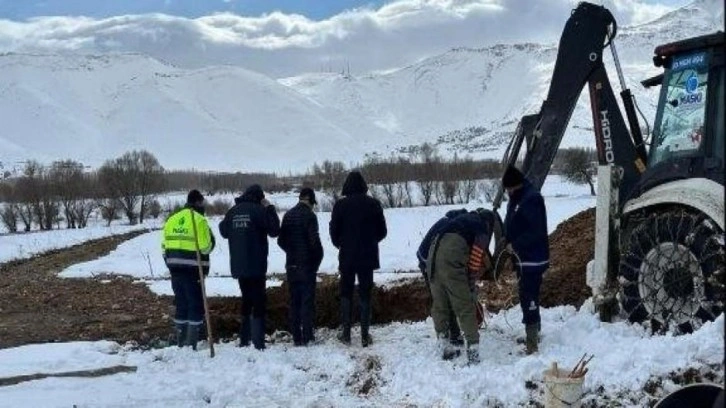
[{"x": 288, "y": 37}]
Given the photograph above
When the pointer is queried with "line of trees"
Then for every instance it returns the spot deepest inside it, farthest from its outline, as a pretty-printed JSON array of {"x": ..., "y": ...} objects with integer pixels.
[
  {"x": 423, "y": 177},
  {"x": 64, "y": 192},
  {"x": 45, "y": 196},
  {"x": 426, "y": 177}
]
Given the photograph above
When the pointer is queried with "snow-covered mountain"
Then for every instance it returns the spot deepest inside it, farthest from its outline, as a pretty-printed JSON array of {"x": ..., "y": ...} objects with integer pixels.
[
  {"x": 92, "y": 108},
  {"x": 470, "y": 100}
]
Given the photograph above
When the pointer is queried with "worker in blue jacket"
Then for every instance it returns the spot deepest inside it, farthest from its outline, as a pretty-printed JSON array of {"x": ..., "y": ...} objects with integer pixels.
[{"x": 525, "y": 230}]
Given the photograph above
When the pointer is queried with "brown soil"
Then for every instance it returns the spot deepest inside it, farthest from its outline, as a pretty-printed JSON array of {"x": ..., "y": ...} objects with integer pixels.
[
  {"x": 572, "y": 246},
  {"x": 38, "y": 306}
]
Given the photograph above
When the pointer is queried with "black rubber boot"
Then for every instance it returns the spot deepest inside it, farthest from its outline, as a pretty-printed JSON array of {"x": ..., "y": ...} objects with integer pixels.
[
  {"x": 365, "y": 323},
  {"x": 532, "y": 339},
  {"x": 523, "y": 340},
  {"x": 258, "y": 332},
  {"x": 181, "y": 334},
  {"x": 245, "y": 332},
  {"x": 455, "y": 337},
  {"x": 192, "y": 336},
  {"x": 472, "y": 353},
  {"x": 344, "y": 335},
  {"x": 447, "y": 350}
]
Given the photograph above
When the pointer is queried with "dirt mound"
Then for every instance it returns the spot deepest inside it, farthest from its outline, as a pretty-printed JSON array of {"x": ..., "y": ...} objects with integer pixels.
[
  {"x": 407, "y": 302},
  {"x": 572, "y": 246}
]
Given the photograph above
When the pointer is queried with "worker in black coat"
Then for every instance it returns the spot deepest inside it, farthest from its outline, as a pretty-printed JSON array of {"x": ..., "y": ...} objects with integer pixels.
[
  {"x": 300, "y": 239},
  {"x": 247, "y": 226},
  {"x": 357, "y": 225}
]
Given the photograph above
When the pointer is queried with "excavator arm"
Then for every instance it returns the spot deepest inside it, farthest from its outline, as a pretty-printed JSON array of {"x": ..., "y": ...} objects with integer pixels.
[{"x": 588, "y": 31}]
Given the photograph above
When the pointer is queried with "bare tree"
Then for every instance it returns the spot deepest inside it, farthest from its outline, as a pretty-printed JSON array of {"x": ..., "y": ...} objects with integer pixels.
[
  {"x": 83, "y": 210},
  {"x": 28, "y": 187},
  {"x": 577, "y": 166},
  {"x": 330, "y": 177},
  {"x": 68, "y": 179},
  {"x": 150, "y": 178},
  {"x": 110, "y": 208},
  {"x": 9, "y": 213},
  {"x": 467, "y": 179},
  {"x": 407, "y": 174},
  {"x": 132, "y": 179},
  {"x": 38, "y": 197},
  {"x": 9, "y": 217},
  {"x": 426, "y": 177},
  {"x": 488, "y": 189},
  {"x": 49, "y": 212},
  {"x": 154, "y": 209}
]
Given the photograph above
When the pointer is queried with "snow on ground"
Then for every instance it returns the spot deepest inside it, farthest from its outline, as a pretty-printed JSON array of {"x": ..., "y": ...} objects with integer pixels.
[
  {"x": 330, "y": 375},
  {"x": 141, "y": 256},
  {"x": 58, "y": 357},
  {"x": 26, "y": 245},
  {"x": 215, "y": 286}
]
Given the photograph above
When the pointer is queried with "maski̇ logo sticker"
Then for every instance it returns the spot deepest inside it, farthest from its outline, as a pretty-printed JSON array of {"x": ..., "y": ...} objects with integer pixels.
[
  {"x": 692, "y": 83},
  {"x": 691, "y": 96}
]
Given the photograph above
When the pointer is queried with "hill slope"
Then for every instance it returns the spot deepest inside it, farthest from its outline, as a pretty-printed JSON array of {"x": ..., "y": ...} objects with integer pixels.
[
  {"x": 222, "y": 118},
  {"x": 470, "y": 100},
  {"x": 467, "y": 100}
]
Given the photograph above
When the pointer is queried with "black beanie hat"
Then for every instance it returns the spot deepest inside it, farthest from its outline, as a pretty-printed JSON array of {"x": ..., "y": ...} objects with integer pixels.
[
  {"x": 194, "y": 197},
  {"x": 308, "y": 194},
  {"x": 512, "y": 177}
]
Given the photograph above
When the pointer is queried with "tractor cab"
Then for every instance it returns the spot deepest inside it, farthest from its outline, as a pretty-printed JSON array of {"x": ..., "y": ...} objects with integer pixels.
[{"x": 688, "y": 135}]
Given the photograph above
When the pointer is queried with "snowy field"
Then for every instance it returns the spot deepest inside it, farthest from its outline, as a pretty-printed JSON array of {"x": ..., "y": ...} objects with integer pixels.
[
  {"x": 26, "y": 245},
  {"x": 141, "y": 256},
  {"x": 400, "y": 369}
]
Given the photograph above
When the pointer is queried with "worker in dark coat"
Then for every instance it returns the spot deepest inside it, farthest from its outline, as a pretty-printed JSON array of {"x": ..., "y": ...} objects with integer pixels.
[
  {"x": 458, "y": 256},
  {"x": 422, "y": 254},
  {"x": 246, "y": 226},
  {"x": 357, "y": 226},
  {"x": 525, "y": 229},
  {"x": 300, "y": 239}
]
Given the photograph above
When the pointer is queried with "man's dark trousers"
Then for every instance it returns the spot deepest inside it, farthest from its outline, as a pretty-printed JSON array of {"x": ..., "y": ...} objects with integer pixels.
[
  {"x": 187, "y": 296},
  {"x": 302, "y": 311},
  {"x": 254, "y": 299},
  {"x": 530, "y": 281}
]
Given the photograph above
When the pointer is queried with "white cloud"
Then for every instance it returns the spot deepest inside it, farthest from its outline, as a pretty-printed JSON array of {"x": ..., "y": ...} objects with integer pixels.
[{"x": 285, "y": 44}]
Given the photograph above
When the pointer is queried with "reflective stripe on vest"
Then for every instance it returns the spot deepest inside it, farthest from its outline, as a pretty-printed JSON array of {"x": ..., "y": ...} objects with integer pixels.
[{"x": 184, "y": 262}]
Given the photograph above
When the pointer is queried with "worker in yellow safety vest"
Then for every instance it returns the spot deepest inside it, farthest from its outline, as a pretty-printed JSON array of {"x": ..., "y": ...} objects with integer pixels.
[{"x": 180, "y": 254}]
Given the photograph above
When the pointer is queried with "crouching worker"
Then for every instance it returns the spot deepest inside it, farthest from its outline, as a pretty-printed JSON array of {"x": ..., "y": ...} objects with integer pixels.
[
  {"x": 458, "y": 256},
  {"x": 525, "y": 229},
  {"x": 422, "y": 254},
  {"x": 185, "y": 232}
]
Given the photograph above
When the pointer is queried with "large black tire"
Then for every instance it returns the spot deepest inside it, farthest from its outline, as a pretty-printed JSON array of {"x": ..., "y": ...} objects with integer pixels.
[
  {"x": 693, "y": 396},
  {"x": 672, "y": 271}
]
